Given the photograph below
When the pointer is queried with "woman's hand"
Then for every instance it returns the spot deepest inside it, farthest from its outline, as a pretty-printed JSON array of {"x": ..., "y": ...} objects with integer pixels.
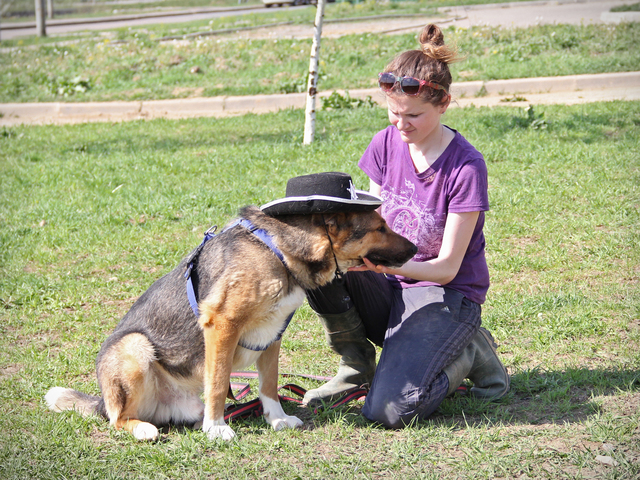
[
  {"x": 442, "y": 269},
  {"x": 369, "y": 266}
]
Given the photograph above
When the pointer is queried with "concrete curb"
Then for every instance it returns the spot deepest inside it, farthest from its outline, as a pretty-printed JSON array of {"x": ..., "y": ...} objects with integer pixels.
[
  {"x": 566, "y": 83},
  {"x": 546, "y": 90},
  {"x": 619, "y": 17}
]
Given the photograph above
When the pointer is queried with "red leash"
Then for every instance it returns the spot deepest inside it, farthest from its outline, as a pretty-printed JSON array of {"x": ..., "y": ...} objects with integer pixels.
[{"x": 253, "y": 408}]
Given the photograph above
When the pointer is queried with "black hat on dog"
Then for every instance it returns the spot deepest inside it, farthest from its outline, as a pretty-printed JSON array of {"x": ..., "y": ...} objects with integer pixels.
[{"x": 328, "y": 192}]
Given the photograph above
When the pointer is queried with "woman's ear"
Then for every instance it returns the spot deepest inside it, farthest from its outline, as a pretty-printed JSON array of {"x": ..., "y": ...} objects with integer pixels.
[{"x": 445, "y": 105}]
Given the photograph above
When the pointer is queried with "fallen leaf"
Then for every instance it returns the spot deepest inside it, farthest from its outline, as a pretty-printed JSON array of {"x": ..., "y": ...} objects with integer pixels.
[{"x": 606, "y": 460}]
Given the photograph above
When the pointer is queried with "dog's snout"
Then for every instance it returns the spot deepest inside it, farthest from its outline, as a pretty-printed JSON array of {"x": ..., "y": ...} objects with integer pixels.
[
  {"x": 393, "y": 257},
  {"x": 410, "y": 252}
]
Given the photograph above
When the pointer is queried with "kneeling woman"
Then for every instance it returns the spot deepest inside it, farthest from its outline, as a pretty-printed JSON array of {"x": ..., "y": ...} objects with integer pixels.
[{"x": 426, "y": 314}]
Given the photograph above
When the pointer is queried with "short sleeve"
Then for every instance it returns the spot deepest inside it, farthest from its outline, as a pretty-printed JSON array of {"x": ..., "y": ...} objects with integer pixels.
[{"x": 470, "y": 189}]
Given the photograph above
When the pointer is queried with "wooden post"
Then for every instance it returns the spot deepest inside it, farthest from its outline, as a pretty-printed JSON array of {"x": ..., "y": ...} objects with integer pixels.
[
  {"x": 312, "y": 83},
  {"x": 40, "y": 18},
  {"x": 49, "y": 9}
]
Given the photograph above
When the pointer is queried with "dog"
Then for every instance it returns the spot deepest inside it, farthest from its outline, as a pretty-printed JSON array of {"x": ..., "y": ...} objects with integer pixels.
[{"x": 160, "y": 358}]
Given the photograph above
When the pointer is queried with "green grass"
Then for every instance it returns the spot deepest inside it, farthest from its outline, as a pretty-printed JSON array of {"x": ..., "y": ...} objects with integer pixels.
[
  {"x": 132, "y": 65},
  {"x": 24, "y": 10},
  {"x": 92, "y": 214},
  {"x": 634, "y": 7}
]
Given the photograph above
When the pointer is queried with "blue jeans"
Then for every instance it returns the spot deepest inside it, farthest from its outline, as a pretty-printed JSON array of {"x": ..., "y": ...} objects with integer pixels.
[{"x": 421, "y": 331}]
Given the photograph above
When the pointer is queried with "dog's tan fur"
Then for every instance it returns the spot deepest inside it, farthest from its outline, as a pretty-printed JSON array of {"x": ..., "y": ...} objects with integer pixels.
[{"x": 154, "y": 366}]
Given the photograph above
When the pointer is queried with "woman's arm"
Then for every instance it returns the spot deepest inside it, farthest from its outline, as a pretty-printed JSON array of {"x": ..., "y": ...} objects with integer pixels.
[
  {"x": 374, "y": 188},
  {"x": 458, "y": 230}
]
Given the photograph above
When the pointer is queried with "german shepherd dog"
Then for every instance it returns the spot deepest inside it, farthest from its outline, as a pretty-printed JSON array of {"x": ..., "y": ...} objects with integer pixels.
[{"x": 153, "y": 368}]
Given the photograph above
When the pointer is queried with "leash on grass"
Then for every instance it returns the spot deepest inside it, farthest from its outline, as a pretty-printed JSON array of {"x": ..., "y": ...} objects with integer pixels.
[{"x": 253, "y": 408}]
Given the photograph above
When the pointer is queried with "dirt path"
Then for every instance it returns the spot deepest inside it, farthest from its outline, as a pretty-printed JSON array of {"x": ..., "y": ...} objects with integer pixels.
[
  {"x": 575, "y": 89},
  {"x": 517, "y": 14}
]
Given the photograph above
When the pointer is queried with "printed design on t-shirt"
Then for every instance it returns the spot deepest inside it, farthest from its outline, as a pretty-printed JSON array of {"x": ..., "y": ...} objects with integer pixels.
[{"x": 410, "y": 217}]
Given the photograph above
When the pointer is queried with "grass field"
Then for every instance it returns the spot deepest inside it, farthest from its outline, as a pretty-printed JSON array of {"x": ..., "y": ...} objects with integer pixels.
[
  {"x": 131, "y": 64},
  {"x": 24, "y": 10},
  {"x": 92, "y": 214}
]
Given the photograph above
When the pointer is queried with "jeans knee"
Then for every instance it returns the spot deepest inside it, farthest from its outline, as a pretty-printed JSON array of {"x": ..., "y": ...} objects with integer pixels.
[
  {"x": 384, "y": 413},
  {"x": 401, "y": 409}
]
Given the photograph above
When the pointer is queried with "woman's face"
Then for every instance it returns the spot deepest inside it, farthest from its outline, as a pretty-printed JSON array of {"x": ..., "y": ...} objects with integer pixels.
[{"x": 416, "y": 120}]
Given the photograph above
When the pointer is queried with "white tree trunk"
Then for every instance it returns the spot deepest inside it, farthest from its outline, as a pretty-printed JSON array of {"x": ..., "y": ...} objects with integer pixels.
[
  {"x": 312, "y": 83},
  {"x": 41, "y": 12}
]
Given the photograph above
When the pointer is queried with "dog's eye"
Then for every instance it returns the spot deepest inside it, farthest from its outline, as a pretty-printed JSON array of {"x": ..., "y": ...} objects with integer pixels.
[{"x": 382, "y": 229}]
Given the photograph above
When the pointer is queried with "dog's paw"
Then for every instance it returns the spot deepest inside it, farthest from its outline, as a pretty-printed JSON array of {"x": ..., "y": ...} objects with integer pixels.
[
  {"x": 216, "y": 431},
  {"x": 288, "y": 421},
  {"x": 275, "y": 416},
  {"x": 145, "y": 431}
]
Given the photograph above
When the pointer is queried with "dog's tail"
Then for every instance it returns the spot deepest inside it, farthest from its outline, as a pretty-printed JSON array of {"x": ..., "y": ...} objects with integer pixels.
[{"x": 60, "y": 399}]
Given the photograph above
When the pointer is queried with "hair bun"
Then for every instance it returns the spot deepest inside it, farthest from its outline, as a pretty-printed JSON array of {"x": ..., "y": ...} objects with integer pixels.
[
  {"x": 431, "y": 34},
  {"x": 432, "y": 44}
]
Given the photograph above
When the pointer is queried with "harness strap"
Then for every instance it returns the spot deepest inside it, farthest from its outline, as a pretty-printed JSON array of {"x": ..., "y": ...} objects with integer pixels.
[
  {"x": 267, "y": 239},
  {"x": 263, "y": 235},
  {"x": 191, "y": 294}
]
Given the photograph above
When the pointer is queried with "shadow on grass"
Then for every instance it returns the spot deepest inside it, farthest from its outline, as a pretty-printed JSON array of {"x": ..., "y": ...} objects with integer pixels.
[{"x": 536, "y": 397}]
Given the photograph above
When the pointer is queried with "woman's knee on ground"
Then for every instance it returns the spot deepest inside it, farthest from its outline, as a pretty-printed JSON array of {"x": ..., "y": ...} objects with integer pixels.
[{"x": 401, "y": 409}]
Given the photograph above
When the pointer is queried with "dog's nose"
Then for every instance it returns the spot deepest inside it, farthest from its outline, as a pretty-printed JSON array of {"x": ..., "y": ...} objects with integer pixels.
[{"x": 410, "y": 252}]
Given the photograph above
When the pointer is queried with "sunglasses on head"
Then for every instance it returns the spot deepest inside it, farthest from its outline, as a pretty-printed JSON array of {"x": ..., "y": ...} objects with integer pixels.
[{"x": 408, "y": 85}]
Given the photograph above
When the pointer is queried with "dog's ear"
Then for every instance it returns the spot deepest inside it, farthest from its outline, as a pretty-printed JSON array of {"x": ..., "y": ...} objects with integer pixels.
[{"x": 332, "y": 221}]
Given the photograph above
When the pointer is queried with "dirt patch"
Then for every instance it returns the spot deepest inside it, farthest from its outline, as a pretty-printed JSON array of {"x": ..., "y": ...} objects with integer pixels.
[
  {"x": 187, "y": 92},
  {"x": 625, "y": 405},
  {"x": 10, "y": 371},
  {"x": 387, "y": 25}
]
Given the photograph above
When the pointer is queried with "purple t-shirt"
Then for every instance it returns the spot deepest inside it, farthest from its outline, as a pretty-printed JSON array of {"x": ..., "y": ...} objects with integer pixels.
[{"x": 416, "y": 204}]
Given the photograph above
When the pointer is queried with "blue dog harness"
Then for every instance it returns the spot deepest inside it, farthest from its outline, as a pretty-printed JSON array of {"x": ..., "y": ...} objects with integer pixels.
[{"x": 268, "y": 241}]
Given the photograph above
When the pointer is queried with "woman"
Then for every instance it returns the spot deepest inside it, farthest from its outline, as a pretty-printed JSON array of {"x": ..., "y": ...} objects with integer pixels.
[{"x": 426, "y": 314}]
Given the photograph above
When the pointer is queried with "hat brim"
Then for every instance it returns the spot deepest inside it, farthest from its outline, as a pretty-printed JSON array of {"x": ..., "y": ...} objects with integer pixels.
[{"x": 322, "y": 204}]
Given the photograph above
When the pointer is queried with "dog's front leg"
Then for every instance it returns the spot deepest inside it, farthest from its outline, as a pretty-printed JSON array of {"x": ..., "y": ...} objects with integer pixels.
[
  {"x": 268, "y": 375},
  {"x": 219, "y": 346}
]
